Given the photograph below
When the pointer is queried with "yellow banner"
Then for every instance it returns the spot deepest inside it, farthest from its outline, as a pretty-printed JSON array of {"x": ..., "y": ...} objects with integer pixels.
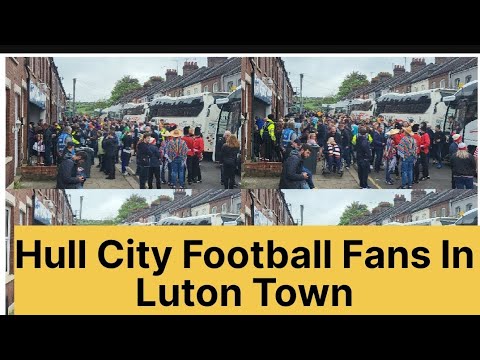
[{"x": 306, "y": 270}]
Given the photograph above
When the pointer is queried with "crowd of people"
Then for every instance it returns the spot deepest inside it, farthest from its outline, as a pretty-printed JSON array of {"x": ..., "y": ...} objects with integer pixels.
[
  {"x": 401, "y": 150},
  {"x": 163, "y": 152}
]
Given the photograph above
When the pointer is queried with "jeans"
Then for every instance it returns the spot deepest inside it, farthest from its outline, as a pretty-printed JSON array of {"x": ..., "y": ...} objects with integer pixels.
[
  {"x": 407, "y": 171},
  {"x": 346, "y": 154},
  {"x": 125, "y": 159},
  {"x": 463, "y": 182},
  {"x": 309, "y": 179},
  {"x": 178, "y": 172},
  {"x": 388, "y": 177}
]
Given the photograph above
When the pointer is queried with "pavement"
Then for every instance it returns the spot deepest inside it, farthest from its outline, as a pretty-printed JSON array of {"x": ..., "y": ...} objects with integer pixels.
[
  {"x": 439, "y": 179},
  {"x": 97, "y": 180}
]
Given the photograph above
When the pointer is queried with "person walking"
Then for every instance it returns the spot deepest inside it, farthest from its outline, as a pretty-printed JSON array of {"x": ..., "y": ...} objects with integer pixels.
[{"x": 228, "y": 157}]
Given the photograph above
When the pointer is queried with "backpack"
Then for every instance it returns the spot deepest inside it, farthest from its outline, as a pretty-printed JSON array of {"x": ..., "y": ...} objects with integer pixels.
[
  {"x": 286, "y": 137},
  {"x": 62, "y": 143}
]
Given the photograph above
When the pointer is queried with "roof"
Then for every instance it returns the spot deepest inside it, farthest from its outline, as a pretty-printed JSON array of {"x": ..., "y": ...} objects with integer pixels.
[
  {"x": 451, "y": 65},
  {"x": 473, "y": 62}
]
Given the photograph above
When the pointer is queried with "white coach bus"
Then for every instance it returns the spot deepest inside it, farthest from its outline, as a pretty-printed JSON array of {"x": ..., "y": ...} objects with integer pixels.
[
  {"x": 421, "y": 106},
  {"x": 198, "y": 110}
]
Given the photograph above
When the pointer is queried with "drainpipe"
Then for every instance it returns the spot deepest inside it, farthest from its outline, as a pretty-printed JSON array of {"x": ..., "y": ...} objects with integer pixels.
[
  {"x": 252, "y": 207},
  {"x": 252, "y": 75}
]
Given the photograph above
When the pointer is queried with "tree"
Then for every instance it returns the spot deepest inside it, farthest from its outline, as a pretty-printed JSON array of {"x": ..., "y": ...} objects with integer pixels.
[
  {"x": 351, "y": 82},
  {"x": 153, "y": 80},
  {"x": 352, "y": 212},
  {"x": 133, "y": 203},
  {"x": 123, "y": 86}
]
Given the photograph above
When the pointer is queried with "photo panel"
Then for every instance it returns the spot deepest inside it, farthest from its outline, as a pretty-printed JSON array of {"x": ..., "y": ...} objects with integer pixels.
[
  {"x": 396, "y": 207},
  {"x": 112, "y": 207},
  {"x": 360, "y": 122},
  {"x": 123, "y": 122}
]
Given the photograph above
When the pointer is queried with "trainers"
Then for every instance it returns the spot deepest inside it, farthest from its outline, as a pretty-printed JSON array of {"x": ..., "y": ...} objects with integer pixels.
[
  {"x": 410, "y": 187},
  {"x": 347, "y": 167},
  {"x": 125, "y": 173},
  {"x": 389, "y": 182},
  {"x": 401, "y": 187}
]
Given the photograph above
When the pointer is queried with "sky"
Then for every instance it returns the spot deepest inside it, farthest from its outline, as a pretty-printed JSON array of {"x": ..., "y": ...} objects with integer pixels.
[
  {"x": 325, "y": 207},
  {"x": 324, "y": 75},
  {"x": 96, "y": 76},
  {"x": 104, "y": 204}
]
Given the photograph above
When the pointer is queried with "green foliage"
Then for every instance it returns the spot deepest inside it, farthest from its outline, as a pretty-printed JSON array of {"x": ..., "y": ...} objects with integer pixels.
[
  {"x": 152, "y": 80},
  {"x": 123, "y": 86},
  {"x": 351, "y": 82},
  {"x": 133, "y": 203},
  {"x": 352, "y": 212}
]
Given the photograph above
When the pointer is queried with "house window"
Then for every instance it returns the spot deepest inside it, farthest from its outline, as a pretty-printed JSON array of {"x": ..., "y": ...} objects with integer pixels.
[
  {"x": 188, "y": 92},
  {"x": 214, "y": 210},
  {"x": 8, "y": 224},
  {"x": 239, "y": 82},
  {"x": 195, "y": 91},
  {"x": 205, "y": 88},
  {"x": 469, "y": 207},
  {"x": 196, "y": 213},
  {"x": 457, "y": 83},
  {"x": 416, "y": 218},
  {"x": 444, "y": 212},
  {"x": 239, "y": 206},
  {"x": 224, "y": 208},
  {"x": 434, "y": 213},
  {"x": 21, "y": 219},
  {"x": 433, "y": 85},
  {"x": 442, "y": 84},
  {"x": 468, "y": 78},
  {"x": 230, "y": 86},
  {"x": 204, "y": 211},
  {"x": 215, "y": 87},
  {"x": 457, "y": 210},
  {"x": 423, "y": 87}
]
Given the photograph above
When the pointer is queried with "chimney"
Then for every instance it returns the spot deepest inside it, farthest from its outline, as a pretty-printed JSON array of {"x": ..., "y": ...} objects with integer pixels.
[
  {"x": 179, "y": 194},
  {"x": 170, "y": 74},
  {"x": 399, "y": 200},
  {"x": 189, "y": 67},
  {"x": 417, "y": 64},
  {"x": 441, "y": 60},
  {"x": 418, "y": 194},
  {"x": 398, "y": 70},
  {"x": 214, "y": 61},
  {"x": 374, "y": 80}
]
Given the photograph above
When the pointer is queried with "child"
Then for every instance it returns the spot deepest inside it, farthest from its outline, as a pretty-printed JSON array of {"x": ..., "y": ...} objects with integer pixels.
[
  {"x": 333, "y": 155},
  {"x": 39, "y": 147}
]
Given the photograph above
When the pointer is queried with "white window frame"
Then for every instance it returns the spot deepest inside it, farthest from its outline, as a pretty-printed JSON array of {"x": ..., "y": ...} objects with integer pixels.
[
  {"x": 469, "y": 207},
  {"x": 224, "y": 208},
  {"x": 214, "y": 210},
  {"x": 442, "y": 84},
  {"x": 457, "y": 210},
  {"x": 188, "y": 92},
  {"x": 205, "y": 88},
  {"x": 457, "y": 83},
  {"x": 468, "y": 78},
  {"x": 215, "y": 87},
  {"x": 433, "y": 85},
  {"x": 434, "y": 213},
  {"x": 444, "y": 212}
]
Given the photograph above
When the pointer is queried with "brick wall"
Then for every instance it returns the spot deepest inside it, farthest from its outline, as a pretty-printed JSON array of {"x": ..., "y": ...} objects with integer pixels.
[
  {"x": 211, "y": 81},
  {"x": 438, "y": 208},
  {"x": 262, "y": 169},
  {"x": 39, "y": 172},
  {"x": 437, "y": 79}
]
